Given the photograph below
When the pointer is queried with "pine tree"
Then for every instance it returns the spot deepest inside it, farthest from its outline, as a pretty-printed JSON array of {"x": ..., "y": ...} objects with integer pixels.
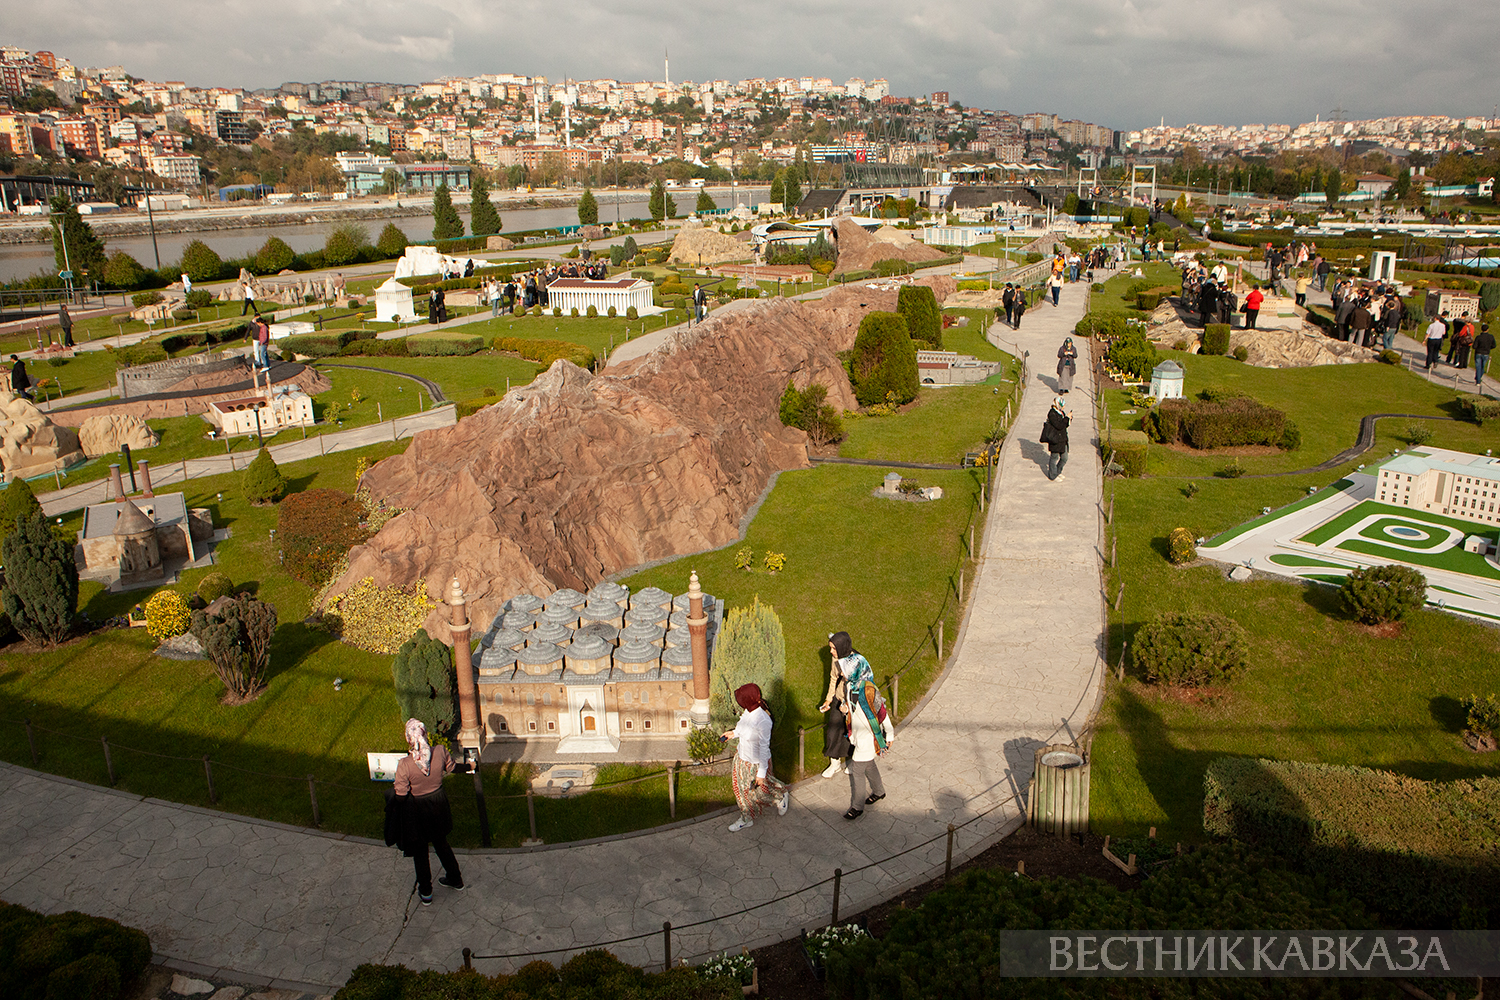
[
  {"x": 924, "y": 320},
  {"x": 706, "y": 202},
  {"x": 793, "y": 192},
  {"x": 588, "y": 209},
  {"x": 750, "y": 649},
  {"x": 264, "y": 482},
  {"x": 671, "y": 207},
  {"x": 885, "y": 360},
  {"x": 446, "y": 225},
  {"x": 658, "y": 201},
  {"x": 483, "y": 219},
  {"x": 84, "y": 254},
  {"x": 392, "y": 241},
  {"x": 778, "y": 188},
  {"x": 424, "y": 683},
  {"x": 41, "y": 582},
  {"x": 17, "y": 501}
]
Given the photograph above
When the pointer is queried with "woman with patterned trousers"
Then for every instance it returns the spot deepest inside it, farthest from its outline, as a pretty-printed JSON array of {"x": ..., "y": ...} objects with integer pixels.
[{"x": 755, "y": 787}]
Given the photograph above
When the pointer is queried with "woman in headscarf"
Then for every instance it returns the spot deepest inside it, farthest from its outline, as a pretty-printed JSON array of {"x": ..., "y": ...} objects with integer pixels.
[
  {"x": 1067, "y": 365},
  {"x": 425, "y": 815},
  {"x": 754, "y": 785},
  {"x": 842, "y": 659},
  {"x": 1055, "y": 437},
  {"x": 870, "y": 732}
]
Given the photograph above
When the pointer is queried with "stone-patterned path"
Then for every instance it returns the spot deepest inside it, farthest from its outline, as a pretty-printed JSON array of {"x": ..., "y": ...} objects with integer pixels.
[{"x": 218, "y": 892}]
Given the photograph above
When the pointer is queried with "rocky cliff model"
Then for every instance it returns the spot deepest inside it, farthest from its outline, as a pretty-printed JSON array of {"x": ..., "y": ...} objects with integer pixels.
[
  {"x": 30, "y": 443},
  {"x": 575, "y": 477},
  {"x": 860, "y": 249}
]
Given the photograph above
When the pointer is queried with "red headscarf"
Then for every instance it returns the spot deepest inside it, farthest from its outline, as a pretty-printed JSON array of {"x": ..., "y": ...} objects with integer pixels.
[{"x": 748, "y": 697}]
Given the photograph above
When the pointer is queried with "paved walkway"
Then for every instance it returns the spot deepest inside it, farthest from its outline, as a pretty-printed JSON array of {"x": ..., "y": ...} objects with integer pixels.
[{"x": 220, "y": 892}]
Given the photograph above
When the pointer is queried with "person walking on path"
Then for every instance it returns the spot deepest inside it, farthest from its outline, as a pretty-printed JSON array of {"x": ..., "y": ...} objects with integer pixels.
[
  {"x": 66, "y": 322},
  {"x": 1055, "y": 283},
  {"x": 1067, "y": 365},
  {"x": 1301, "y": 290},
  {"x": 492, "y": 291},
  {"x": 754, "y": 785},
  {"x": 1390, "y": 316},
  {"x": 1055, "y": 437},
  {"x": 249, "y": 299},
  {"x": 836, "y": 704},
  {"x": 422, "y": 814},
  {"x": 1322, "y": 271},
  {"x": 870, "y": 735},
  {"x": 1436, "y": 330},
  {"x": 1463, "y": 336},
  {"x": 1252, "y": 306},
  {"x": 1008, "y": 298},
  {"x": 262, "y": 344},
  {"x": 1018, "y": 309},
  {"x": 20, "y": 382},
  {"x": 1483, "y": 345}
]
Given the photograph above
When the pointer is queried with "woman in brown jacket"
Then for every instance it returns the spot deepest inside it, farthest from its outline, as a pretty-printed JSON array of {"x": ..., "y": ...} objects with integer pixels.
[{"x": 425, "y": 815}]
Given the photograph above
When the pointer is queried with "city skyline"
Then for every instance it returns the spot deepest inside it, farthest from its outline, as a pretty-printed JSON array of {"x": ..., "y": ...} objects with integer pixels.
[{"x": 1124, "y": 63}]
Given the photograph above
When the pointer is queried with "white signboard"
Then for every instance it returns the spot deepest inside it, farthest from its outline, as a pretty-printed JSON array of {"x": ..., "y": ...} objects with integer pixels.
[{"x": 383, "y": 765}]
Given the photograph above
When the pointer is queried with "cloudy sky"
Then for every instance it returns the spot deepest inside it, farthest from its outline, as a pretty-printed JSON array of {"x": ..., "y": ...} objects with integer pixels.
[{"x": 1124, "y": 63}]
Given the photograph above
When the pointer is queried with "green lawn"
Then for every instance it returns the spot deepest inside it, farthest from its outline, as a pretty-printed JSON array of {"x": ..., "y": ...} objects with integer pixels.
[
  {"x": 1319, "y": 687},
  {"x": 459, "y": 378},
  {"x": 940, "y": 426}
]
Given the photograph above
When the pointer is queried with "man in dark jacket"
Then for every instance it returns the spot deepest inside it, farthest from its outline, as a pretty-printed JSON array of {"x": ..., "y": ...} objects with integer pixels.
[
  {"x": 1208, "y": 302},
  {"x": 20, "y": 382},
  {"x": 1483, "y": 345}
]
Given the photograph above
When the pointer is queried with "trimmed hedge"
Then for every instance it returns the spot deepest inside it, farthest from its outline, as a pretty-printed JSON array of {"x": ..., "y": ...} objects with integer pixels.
[
  {"x": 1424, "y": 852},
  {"x": 443, "y": 345},
  {"x": 362, "y": 347},
  {"x": 1479, "y": 408},
  {"x": 544, "y": 352},
  {"x": 593, "y": 975},
  {"x": 1129, "y": 448},
  {"x": 317, "y": 345},
  {"x": 67, "y": 956},
  {"x": 1133, "y": 353},
  {"x": 1216, "y": 339},
  {"x": 1217, "y": 423}
]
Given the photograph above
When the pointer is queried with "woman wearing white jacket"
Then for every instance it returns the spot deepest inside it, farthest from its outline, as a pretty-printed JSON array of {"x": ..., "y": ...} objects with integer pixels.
[{"x": 870, "y": 730}]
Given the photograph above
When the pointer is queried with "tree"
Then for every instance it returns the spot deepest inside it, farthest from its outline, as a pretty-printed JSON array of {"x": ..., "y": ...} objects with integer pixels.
[
  {"x": 657, "y": 204},
  {"x": 393, "y": 181},
  {"x": 237, "y": 640},
  {"x": 793, "y": 191},
  {"x": 1402, "y": 187},
  {"x": 1335, "y": 186},
  {"x": 924, "y": 320},
  {"x": 884, "y": 361},
  {"x": 200, "y": 263},
  {"x": 344, "y": 244},
  {"x": 446, "y": 225},
  {"x": 41, "y": 581},
  {"x": 74, "y": 244},
  {"x": 423, "y": 676},
  {"x": 123, "y": 271},
  {"x": 392, "y": 242},
  {"x": 17, "y": 501},
  {"x": 706, "y": 202},
  {"x": 778, "y": 188},
  {"x": 750, "y": 649},
  {"x": 631, "y": 250},
  {"x": 264, "y": 482},
  {"x": 588, "y": 209},
  {"x": 671, "y": 207},
  {"x": 483, "y": 219},
  {"x": 1374, "y": 594},
  {"x": 274, "y": 256}
]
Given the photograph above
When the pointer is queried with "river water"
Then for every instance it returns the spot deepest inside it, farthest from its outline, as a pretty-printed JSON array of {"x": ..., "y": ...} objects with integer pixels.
[{"x": 20, "y": 260}]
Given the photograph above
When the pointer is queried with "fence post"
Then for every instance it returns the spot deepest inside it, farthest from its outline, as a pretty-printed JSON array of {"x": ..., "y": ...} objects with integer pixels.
[
  {"x": 948, "y": 863},
  {"x": 801, "y": 751},
  {"x": 940, "y": 641},
  {"x": 971, "y": 540},
  {"x": 838, "y": 878},
  {"x": 468, "y": 958},
  {"x": 895, "y": 696},
  {"x": 109, "y": 763},
  {"x": 666, "y": 945},
  {"x": 531, "y": 811},
  {"x": 672, "y": 789},
  {"x": 1120, "y": 595},
  {"x": 479, "y": 804},
  {"x": 312, "y": 793},
  {"x": 960, "y": 585},
  {"x": 208, "y": 772},
  {"x": 1111, "y": 518},
  {"x": 1114, "y": 546},
  {"x": 31, "y": 741}
]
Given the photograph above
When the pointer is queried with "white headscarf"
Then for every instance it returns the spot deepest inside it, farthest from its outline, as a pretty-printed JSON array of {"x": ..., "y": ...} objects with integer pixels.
[{"x": 416, "y": 739}]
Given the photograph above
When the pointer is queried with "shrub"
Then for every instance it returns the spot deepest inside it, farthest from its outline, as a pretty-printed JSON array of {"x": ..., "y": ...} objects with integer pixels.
[
  {"x": 672, "y": 287},
  {"x": 344, "y": 244},
  {"x": 884, "y": 360},
  {"x": 1133, "y": 354},
  {"x": 67, "y": 955},
  {"x": 317, "y": 345},
  {"x": 1217, "y": 423},
  {"x": 264, "y": 482},
  {"x": 469, "y": 407},
  {"x": 545, "y": 352},
  {"x": 1478, "y": 407},
  {"x": 612, "y": 312},
  {"x": 17, "y": 501},
  {"x": 1106, "y": 326},
  {"x": 379, "y": 619},
  {"x": 237, "y": 640},
  {"x": 573, "y": 312},
  {"x": 1421, "y": 852},
  {"x": 141, "y": 354},
  {"x": 143, "y": 299},
  {"x": 392, "y": 241},
  {"x": 1291, "y": 437},
  {"x": 890, "y": 267},
  {"x": 317, "y": 528},
  {"x": 750, "y": 649},
  {"x": 808, "y": 411},
  {"x": 274, "y": 256},
  {"x": 632, "y": 313},
  {"x": 1483, "y": 714},
  {"x": 1389, "y": 357},
  {"x": 616, "y": 256},
  {"x": 442, "y": 344},
  {"x": 376, "y": 349},
  {"x": 214, "y": 586},
  {"x": 1379, "y": 594},
  {"x": 1129, "y": 448},
  {"x": 167, "y": 615},
  {"x": 123, "y": 271},
  {"x": 924, "y": 319},
  {"x": 1216, "y": 338},
  {"x": 41, "y": 581},
  {"x": 1147, "y": 300},
  {"x": 423, "y": 675},
  {"x": 1188, "y": 649},
  {"x": 200, "y": 263},
  {"x": 556, "y": 310},
  {"x": 593, "y": 312},
  {"x": 703, "y": 745},
  {"x": 1181, "y": 546},
  {"x": 1242, "y": 353}
]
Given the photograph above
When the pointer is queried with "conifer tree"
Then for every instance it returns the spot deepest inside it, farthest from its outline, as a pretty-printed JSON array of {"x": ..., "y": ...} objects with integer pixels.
[
  {"x": 41, "y": 582},
  {"x": 706, "y": 202},
  {"x": 588, "y": 209},
  {"x": 483, "y": 219},
  {"x": 446, "y": 224},
  {"x": 424, "y": 683},
  {"x": 658, "y": 201},
  {"x": 17, "y": 501},
  {"x": 264, "y": 482}
]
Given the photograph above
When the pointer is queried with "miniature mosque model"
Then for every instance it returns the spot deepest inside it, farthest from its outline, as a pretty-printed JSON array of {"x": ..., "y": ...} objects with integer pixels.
[{"x": 266, "y": 410}]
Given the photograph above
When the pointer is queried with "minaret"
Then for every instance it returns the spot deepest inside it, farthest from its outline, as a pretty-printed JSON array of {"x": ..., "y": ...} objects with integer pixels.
[
  {"x": 666, "y": 67},
  {"x": 567, "y": 123}
]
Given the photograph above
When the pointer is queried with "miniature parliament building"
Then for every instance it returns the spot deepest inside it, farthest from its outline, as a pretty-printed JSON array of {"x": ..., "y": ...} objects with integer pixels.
[
  {"x": 1447, "y": 482},
  {"x": 589, "y": 670}
]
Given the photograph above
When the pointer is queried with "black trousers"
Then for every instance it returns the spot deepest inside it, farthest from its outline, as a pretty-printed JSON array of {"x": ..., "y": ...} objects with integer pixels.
[
  {"x": 424, "y": 865},
  {"x": 835, "y": 732}
]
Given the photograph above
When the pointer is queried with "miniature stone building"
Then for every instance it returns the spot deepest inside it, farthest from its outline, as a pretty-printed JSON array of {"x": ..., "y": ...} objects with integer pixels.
[
  {"x": 952, "y": 368},
  {"x": 1455, "y": 303},
  {"x": 131, "y": 541},
  {"x": 1445, "y": 482},
  {"x": 621, "y": 293},
  {"x": 589, "y": 670},
  {"x": 393, "y": 303},
  {"x": 266, "y": 412},
  {"x": 1166, "y": 380}
]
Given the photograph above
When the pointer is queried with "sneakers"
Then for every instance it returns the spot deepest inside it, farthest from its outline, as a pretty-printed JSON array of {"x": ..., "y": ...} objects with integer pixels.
[
  {"x": 426, "y": 898},
  {"x": 834, "y": 767},
  {"x": 443, "y": 881},
  {"x": 740, "y": 824},
  {"x": 783, "y": 802},
  {"x": 874, "y": 799}
]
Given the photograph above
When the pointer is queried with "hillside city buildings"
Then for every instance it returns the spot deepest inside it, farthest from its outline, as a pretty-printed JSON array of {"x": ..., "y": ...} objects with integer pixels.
[{"x": 507, "y": 120}]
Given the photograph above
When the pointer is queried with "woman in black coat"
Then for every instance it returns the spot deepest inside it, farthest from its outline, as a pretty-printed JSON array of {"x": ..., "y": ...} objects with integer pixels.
[
  {"x": 1055, "y": 437},
  {"x": 417, "y": 812}
]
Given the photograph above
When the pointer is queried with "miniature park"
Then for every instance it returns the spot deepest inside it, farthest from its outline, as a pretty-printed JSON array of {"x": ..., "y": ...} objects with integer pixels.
[{"x": 567, "y": 573}]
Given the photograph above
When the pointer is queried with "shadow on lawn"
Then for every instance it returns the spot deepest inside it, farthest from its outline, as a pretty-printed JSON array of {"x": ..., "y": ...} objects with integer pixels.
[
  {"x": 1173, "y": 775},
  {"x": 1449, "y": 713}
]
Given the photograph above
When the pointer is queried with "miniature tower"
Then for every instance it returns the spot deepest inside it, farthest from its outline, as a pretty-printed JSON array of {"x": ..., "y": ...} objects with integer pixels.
[
  {"x": 698, "y": 635},
  {"x": 469, "y": 733}
]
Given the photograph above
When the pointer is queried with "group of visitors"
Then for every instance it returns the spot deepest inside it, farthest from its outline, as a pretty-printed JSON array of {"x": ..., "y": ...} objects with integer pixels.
[
  {"x": 1365, "y": 314},
  {"x": 1013, "y": 302},
  {"x": 1462, "y": 340},
  {"x": 1208, "y": 292}
]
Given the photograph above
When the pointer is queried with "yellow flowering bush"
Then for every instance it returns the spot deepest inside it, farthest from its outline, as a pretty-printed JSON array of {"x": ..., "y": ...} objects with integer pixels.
[
  {"x": 378, "y": 619},
  {"x": 775, "y": 562},
  {"x": 167, "y": 615}
]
